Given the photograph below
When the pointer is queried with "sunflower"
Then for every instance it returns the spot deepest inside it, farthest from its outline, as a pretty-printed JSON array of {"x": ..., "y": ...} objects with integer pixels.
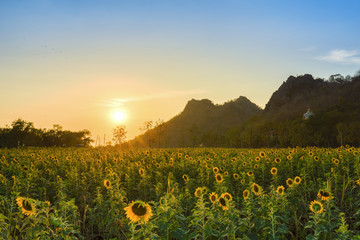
[
  {"x": 289, "y": 157},
  {"x": 198, "y": 192},
  {"x": 277, "y": 160},
  {"x": 236, "y": 176},
  {"x": 256, "y": 189},
  {"x": 227, "y": 196},
  {"x": 185, "y": 177},
  {"x": 107, "y": 183},
  {"x": 257, "y": 159},
  {"x": 289, "y": 182},
  {"x": 280, "y": 190},
  {"x": 324, "y": 195},
  {"x": 26, "y": 206},
  {"x": 244, "y": 164},
  {"x": 336, "y": 161},
  {"x": 316, "y": 207},
  {"x": 215, "y": 170},
  {"x": 274, "y": 171},
  {"x": 223, "y": 203},
  {"x": 250, "y": 173},
  {"x": 297, "y": 180},
  {"x": 316, "y": 158},
  {"x": 213, "y": 197},
  {"x": 246, "y": 194},
  {"x": 358, "y": 181},
  {"x": 138, "y": 211},
  {"x": 219, "y": 178},
  {"x": 242, "y": 181},
  {"x": 262, "y": 154},
  {"x": 141, "y": 171}
]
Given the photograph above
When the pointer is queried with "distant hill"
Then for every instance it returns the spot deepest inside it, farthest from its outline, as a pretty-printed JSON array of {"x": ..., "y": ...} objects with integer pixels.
[
  {"x": 200, "y": 123},
  {"x": 297, "y": 94},
  {"x": 335, "y": 119},
  {"x": 335, "y": 105}
]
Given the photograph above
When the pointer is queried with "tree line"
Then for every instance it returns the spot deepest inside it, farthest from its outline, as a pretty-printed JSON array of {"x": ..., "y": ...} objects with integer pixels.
[{"x": 22, "y": 133}]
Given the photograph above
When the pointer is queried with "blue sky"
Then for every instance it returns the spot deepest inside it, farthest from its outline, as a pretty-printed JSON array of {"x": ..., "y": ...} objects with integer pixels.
[{"x": 74, "y": 62}]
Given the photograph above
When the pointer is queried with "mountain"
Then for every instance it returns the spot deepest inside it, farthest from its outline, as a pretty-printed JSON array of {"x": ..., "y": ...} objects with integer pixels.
[
  {"x": 333, "y": 106},
  {"x": 334, "y": 121},
  {"x": 200, "y": 123},
  {"x": 297, "y": 94}
]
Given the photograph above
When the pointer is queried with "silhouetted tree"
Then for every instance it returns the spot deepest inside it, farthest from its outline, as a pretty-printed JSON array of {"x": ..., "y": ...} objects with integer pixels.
[
  {"x": 119, "y": 134},
  {"x": 146, "y": 127}
]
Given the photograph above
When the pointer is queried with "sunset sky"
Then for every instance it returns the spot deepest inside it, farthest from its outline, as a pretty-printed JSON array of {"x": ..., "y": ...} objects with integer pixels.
[{"x": 74, "y": 63}]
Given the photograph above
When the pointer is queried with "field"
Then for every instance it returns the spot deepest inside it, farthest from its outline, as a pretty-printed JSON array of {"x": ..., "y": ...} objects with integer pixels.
[{"x": 105, "y": 193}]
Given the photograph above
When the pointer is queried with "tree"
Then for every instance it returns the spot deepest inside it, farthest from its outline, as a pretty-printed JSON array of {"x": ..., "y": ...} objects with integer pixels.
[
  {"x": 119, "y": 134},
  {"x": 146, "y": 127}
]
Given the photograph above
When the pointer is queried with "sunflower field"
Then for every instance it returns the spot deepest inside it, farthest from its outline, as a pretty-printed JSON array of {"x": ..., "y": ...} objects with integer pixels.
[{"x": 204, "y": 193}]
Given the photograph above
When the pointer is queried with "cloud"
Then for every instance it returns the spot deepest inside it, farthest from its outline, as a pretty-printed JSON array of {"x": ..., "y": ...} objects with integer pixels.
[
  {"x": 342, "y": 56},
  {"x": 117, "y": 102}
]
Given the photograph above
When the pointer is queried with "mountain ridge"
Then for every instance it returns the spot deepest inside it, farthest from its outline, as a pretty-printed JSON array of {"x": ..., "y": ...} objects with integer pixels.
[{"x": 241, "y": 123}]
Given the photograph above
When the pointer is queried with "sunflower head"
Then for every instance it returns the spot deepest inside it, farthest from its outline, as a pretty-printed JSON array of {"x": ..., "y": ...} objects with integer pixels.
[
  {"x": 223, "y": 203},
  {"x": 289, "y": 182},
  {"x": 213, "y": 197},
  {"x": 198, "y": 192},
  {"x": 277, "y": 160},
  {"x": 316, "y": 207},
  {"x": 256, "y": 189},
  {"x": 227, "y": 196},
  {"x": 246, "y": 194},
  {"x": 297, "y": 180},
  {"x": 107, "y": 184},
  {"x": 358, "y": 181},
  {"x": 280, "y": 190},
  {"x": 273, "y": 171},
  {"x": 185, "y": 177},
  {"x": 236, "y": 176},
  {"x": 138, "y": 211},
  {"x": 219, "y": 178},
  {"x": 324, "y": 195},
  {"x": 215, "y": 170},
  {"x": 26, "y": 205}
]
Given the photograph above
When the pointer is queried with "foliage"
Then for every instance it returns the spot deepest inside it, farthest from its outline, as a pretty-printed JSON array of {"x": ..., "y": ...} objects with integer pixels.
[
  {"x": 22, "y": 133},
  {"x": 75, "y": 193}
]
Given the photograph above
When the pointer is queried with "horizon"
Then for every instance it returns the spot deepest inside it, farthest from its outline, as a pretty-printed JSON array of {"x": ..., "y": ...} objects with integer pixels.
[{"x": 90, "y": 65}]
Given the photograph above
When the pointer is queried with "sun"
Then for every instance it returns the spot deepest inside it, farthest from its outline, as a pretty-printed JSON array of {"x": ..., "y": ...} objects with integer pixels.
[{"x": 119, "y": 116}]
